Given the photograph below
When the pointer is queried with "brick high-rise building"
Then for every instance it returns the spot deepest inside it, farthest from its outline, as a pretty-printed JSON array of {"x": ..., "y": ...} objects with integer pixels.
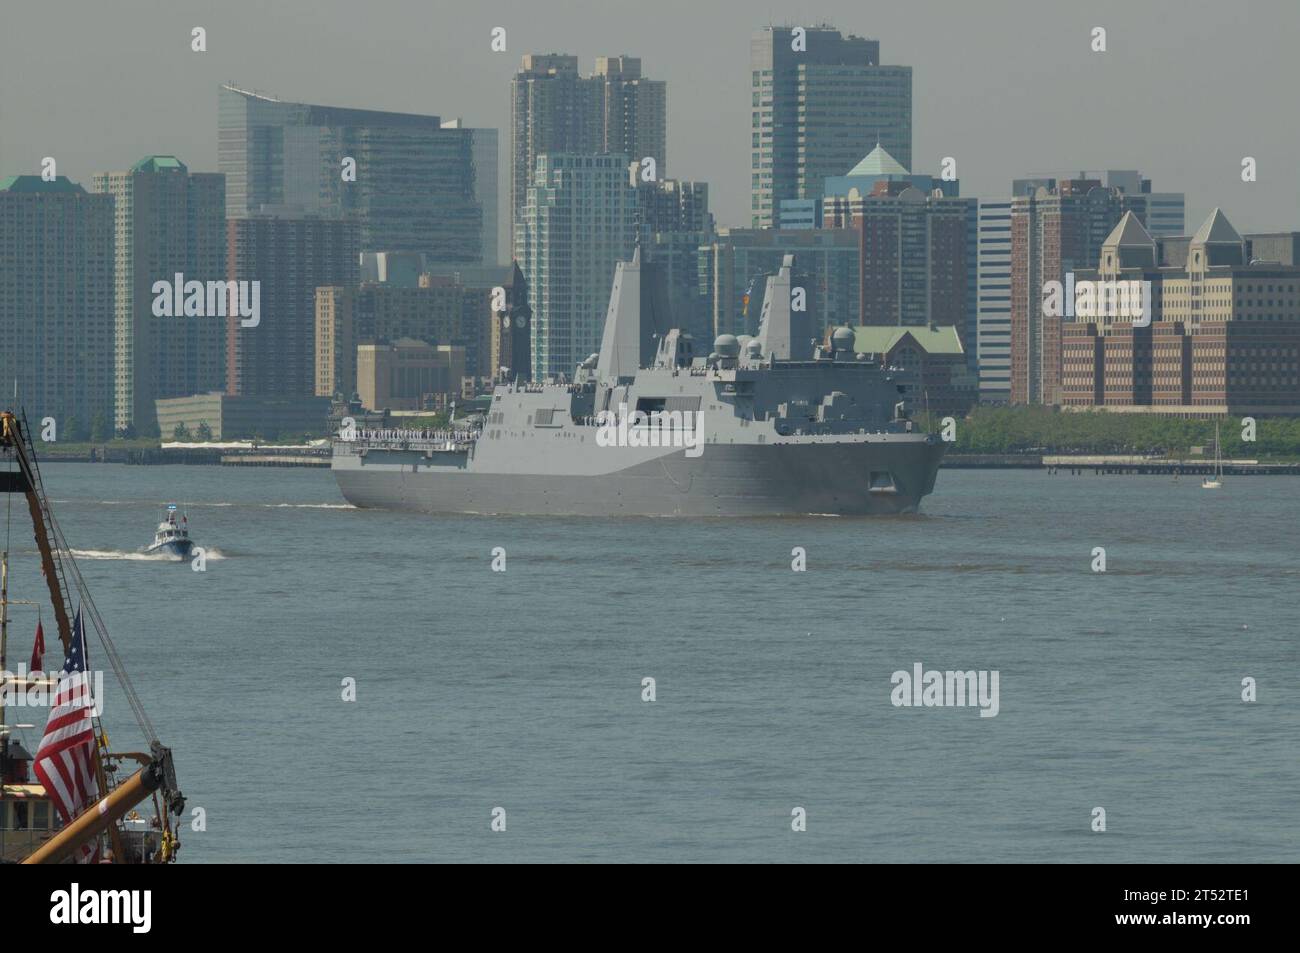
[
  {"x": 914, "y": 264},
  {"x": 1053, "y": 231},
  {"x": 167, "y": 221},
  {"x": 291, "y": 258},
  {"x": 1057, "y": 227},
  {"x": 56, "y": 303},
  {"x": 819, "y": 101},
  {"x": 1224, "y": 335}
]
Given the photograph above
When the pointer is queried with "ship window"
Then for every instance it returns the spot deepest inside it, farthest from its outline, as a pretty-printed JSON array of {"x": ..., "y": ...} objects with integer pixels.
[
  {"x": 41, "y": 815},
  {"x": 19, "y": 816}
]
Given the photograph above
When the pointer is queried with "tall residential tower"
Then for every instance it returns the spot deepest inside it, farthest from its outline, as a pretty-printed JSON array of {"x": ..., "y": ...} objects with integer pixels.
[
  {"x": 1057, "y": 228},
  {"x": 579, "y": 221},
  {"x": 56, "y": 303},
  {"x": 168, "y": 221},
  {"x": 819, "y": 102},
  {"x": 553, "y": 109}
]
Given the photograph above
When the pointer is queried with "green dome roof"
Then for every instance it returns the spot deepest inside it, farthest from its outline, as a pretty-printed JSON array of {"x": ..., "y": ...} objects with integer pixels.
[{"x": 159, "y": 164}]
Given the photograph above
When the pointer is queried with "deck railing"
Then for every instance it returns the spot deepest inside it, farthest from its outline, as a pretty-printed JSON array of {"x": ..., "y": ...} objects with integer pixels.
[{"x": 441, "y": 440}]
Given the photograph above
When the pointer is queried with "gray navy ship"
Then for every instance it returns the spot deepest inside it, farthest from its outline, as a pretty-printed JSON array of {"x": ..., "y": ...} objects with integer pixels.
[{"x": 774, "y": 424}]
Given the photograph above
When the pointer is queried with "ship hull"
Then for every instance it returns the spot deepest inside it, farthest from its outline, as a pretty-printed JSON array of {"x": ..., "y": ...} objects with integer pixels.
[
  {"x": 830, "y": 477},
  {"x": 176, "y": 550}
]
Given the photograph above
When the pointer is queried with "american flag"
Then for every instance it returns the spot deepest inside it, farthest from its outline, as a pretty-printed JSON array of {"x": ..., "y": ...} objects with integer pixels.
[{"x": 65, "y": 760}]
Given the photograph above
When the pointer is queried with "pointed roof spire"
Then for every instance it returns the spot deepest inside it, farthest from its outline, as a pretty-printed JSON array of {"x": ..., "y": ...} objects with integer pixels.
[
  {"x": 1129, "y": 245},
  {"x": 1128, "y": 232},
  {"x": 1216, "y": 230},
  {"x": 878, "y": 162}
]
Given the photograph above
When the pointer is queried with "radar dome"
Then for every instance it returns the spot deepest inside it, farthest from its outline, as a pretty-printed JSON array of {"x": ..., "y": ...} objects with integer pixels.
[
  {"x": 842, "y": 339},
  {"x": 726, "y": 345}
]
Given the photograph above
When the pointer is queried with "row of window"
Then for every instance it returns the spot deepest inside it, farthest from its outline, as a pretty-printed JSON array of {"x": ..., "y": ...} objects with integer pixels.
[{"x": 25, "y": 815}]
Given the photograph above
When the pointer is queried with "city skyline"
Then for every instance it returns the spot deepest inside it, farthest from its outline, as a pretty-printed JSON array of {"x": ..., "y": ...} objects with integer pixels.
[
  {"x": 810, "y": 433},
  {"x": 968, "y": 107}
]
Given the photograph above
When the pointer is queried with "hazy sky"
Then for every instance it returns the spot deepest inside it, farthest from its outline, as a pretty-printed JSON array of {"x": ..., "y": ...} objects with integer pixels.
[{"x": 1009, "y": 88}]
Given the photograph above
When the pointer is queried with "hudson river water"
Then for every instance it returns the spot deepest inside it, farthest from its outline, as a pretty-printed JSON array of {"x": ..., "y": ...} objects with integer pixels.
[{"x": 523, "y": 690}]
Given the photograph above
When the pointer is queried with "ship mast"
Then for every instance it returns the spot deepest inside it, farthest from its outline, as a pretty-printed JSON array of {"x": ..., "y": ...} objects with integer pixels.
[
  {"x": 5, "y": 603},
  {"x": 157, "y": 774},
  {"x": 4, "y": 665}
]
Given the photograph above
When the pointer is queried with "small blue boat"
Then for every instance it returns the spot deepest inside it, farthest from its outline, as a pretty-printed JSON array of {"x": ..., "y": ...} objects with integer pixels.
[{"x": 173, "y": 537}]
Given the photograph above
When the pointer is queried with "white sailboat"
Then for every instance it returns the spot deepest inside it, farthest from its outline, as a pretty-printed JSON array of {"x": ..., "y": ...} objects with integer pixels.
[{"x": 1215, "y": 483}]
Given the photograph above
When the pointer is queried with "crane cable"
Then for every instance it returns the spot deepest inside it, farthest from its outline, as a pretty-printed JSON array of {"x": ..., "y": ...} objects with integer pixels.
[
  {"x": 64, "y": 558},
  {"x": 88, "y": 608}
]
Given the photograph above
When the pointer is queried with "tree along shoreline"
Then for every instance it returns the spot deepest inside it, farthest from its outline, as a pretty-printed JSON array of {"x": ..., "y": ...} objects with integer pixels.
[
  {"x": 1045, "y": 430},
  {"x": 1010, "y": 432}
]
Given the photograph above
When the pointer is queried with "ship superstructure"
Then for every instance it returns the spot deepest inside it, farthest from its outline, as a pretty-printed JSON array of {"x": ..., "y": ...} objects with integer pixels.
[
  {"x": 774, "y": 424},
  {"x": 172, "y": 538}
]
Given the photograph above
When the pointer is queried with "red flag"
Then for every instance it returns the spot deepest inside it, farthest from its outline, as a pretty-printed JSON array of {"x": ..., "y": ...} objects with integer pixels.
[{"x": 38, "y": 650}]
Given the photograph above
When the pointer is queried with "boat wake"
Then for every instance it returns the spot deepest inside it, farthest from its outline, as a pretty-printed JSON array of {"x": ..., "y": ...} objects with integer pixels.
[
  {"x": 121, "y": 554},
  {"x": 310, "y": 506},
  {"x": 294, "y": 506}
]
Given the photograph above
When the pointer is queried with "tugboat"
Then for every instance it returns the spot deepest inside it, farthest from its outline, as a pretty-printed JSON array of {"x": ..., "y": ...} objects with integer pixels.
[
  {"x": 172, "y": 538},
  {"x": 75, "y": 798}
]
